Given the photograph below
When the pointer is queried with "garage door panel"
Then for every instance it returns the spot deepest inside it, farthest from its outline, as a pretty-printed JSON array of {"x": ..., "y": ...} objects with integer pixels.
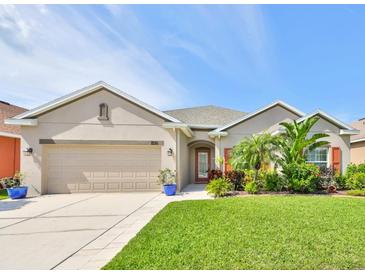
[
  {"x": 102, "y": 168},
  {"x": 113, "y": 186},
  {"x": 127, "y": 185}
]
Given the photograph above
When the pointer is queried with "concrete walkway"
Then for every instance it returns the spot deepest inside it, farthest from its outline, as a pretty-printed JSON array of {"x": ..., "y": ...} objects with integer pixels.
[{"x": 76, "y": 231}]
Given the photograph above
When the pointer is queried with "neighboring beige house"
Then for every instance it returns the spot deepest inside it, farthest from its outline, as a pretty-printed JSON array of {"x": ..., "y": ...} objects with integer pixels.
[
  {"x": 358, "y": 143},
  {"x": 100, "y": 139}
]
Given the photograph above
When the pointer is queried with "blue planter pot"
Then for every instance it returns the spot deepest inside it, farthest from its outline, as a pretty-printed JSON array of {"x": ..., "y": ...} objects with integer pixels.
[
  {"x": 17, "y": 192},
  {"x": 170, "y": 190}
]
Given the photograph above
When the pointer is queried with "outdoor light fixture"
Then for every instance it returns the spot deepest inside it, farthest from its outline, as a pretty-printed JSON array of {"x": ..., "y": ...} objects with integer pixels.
[
  {"x": 28, "y": 151},
  {"x": 169, "y": 152}
]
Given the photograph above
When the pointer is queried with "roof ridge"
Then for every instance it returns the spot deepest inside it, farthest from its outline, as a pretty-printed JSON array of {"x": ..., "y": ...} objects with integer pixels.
[{"x": 204, "y": 106}]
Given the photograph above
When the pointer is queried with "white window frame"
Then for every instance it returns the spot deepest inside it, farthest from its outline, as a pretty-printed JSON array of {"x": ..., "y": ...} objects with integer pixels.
[{"x": 321, "y": 162}]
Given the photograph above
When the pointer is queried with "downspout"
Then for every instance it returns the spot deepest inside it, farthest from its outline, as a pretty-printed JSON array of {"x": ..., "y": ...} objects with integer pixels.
[{"x": 177, "y": 160}]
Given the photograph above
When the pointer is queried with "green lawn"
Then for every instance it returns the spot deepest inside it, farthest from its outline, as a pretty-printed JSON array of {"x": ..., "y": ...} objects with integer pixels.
[
  {"x": 3, "y": 194},
  {"x": 261, "y": 232}
]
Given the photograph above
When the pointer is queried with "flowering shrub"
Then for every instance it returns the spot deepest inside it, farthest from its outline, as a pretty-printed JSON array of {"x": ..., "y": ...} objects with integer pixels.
[
  {"x": 236, "y": 178},
  {"x": 215, "y": 174}
]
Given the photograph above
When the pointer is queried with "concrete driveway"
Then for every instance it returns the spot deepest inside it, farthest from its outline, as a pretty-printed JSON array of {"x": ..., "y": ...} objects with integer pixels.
[
  {"x": 76, "y": 231},
  {"x": 44, "y": 232}
]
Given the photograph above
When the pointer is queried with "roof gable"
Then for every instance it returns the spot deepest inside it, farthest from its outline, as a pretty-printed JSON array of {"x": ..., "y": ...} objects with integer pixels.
[
  {"x": 327, "y": 117},
  {"x": 85, "y": 92},
  {"x": 258, "y": 112}
]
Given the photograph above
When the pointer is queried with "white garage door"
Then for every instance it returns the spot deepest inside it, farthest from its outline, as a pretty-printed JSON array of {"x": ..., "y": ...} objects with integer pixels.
[{"x": 78, "y": 168}]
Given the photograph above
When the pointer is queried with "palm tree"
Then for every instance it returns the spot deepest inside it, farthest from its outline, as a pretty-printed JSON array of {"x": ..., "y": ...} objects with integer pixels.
[
  {"x": 295, "y": 141},
  {"x": 254, "y": 152}
]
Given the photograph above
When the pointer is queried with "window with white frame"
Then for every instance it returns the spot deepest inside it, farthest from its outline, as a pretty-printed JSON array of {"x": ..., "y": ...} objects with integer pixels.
[{"x": 318, "y": 156}]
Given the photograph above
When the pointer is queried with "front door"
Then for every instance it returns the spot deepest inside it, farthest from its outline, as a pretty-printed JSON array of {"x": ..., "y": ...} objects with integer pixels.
[{"x": 202, "y": 165}]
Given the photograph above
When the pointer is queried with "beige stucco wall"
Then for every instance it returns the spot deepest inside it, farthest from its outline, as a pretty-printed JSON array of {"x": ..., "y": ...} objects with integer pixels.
[
  {"x": 358, "y": 152},
  {"x": 78, "y": 121}
]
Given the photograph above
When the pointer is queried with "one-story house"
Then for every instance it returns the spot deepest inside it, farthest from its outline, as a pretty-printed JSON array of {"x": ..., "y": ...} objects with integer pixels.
[
  {"x": 358, "y": 143},
  {"x": 101, "y": 139},
  {"x": 9, "y": 140}
]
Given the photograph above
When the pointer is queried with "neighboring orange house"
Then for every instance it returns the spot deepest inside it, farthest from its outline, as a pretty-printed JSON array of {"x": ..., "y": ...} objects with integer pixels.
[{"x": 9, "y": 140}]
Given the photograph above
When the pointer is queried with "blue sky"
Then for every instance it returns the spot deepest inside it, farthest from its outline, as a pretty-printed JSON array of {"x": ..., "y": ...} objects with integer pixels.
[{"x": 237, "y": 56}]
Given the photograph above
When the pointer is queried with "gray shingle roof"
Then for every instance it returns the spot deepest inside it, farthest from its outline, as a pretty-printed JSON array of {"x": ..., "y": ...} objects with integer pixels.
[{"x": 206, "y": 115}]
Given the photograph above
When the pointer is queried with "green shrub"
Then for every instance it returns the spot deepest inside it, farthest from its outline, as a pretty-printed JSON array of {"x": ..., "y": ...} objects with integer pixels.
[
  {"x": 219, "y": 187},
  {"x": 356, "y": 181},
  {"x": 272, "y": 181},
  {"x": 340, "y": 181},
  {"x": 356, "y": 192},
  {"x": 302, "y": 177},
  {"x": 252, "y": 188},
  {"x": 355, "y": 176},
  {"x": 249, "y": 176},
  {"x": 353, "y": 169}
]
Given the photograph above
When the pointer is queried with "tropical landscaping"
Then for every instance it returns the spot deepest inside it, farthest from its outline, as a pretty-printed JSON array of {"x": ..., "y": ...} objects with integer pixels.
[{"x": 278, "y": 163}]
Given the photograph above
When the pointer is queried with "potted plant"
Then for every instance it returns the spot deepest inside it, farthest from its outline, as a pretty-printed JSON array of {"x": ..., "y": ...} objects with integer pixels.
[
  {"x": 14, "y": 186},
  {"x": 167, "y": 178}
]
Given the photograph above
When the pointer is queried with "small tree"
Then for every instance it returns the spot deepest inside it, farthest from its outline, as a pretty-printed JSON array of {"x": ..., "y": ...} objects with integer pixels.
[
  {"x": 295, "y": 141},
  {"x": 254, "y": 152}
]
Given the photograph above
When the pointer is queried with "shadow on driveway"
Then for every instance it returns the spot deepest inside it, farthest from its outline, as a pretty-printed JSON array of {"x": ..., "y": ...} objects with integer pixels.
[{"x": 6, "y": 205}]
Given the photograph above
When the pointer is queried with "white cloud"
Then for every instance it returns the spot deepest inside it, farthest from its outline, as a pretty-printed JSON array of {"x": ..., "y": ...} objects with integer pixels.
[{"x": 49, "y": 51}]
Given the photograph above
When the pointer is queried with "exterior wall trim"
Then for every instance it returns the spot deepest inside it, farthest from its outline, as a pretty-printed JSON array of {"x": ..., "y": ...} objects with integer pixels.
[
  {"x": 357, "y": 140},
  {"x": 21, "y": 122},
  {"x": 10, "y": 135},
  {"x": 98, "y": 142}
]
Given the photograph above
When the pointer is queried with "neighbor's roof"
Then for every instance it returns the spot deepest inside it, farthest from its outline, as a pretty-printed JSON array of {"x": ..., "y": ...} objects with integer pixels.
[
  {"x": 358, "y": 138},
  {"x": 360, "y": 125},
  {"x": 209, "y": 116},
  {"x": 7, "y": 111}
]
